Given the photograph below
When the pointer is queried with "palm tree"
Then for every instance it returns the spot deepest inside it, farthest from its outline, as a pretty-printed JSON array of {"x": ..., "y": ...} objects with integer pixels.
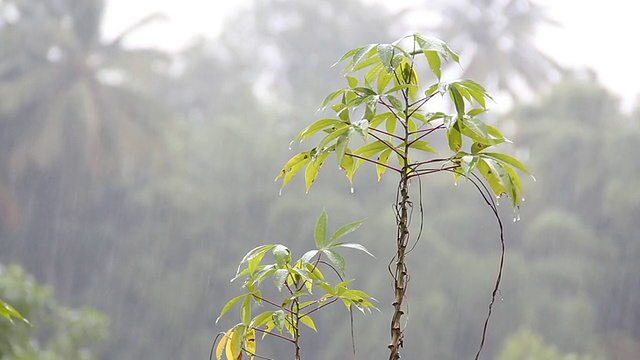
[{"x": 75, "y": 126}]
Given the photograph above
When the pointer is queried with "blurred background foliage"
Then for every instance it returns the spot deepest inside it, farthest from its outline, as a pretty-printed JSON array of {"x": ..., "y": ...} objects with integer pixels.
[{"x": 133, "y": 181}]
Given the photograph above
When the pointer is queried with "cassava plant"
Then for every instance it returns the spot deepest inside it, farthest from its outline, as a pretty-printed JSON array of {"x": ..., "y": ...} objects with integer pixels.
[
  {"x": 384, "y": 118},
  {"x": 299, "y": 281}
]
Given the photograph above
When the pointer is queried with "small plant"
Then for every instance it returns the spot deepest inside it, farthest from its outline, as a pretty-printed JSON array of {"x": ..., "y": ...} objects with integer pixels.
[
  {"x": 382, "y": 118},
  {"x": 299, "y": 281}
]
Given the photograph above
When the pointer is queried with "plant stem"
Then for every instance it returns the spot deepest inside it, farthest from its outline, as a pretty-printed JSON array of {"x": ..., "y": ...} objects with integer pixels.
[
  {"x": 402, "y": 221},
  {"x": 400, "y": 273}
]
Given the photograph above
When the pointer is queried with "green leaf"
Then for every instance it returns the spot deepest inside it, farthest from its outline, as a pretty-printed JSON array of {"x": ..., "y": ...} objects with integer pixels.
[
  {"x": 262, "y": 318},
  {"x": 245, "y": 310},
  {"x": 434, "y": 62},
  {"x": 373, "y": 73},
  {"x": 320, "y": 233},
  {"x": 339, "y": 130},
  {"x": 308, "y": 256},
  {"x": 468, "y": 163},
  {"x": 229, "y": 305},
  {"x": 347, "y": 165},
  {"x": 292, "y": 167},
  {"x": 330, "y": 98},
  {"x": 383, "y": 158},
  {"x": 371, "y": 148},
  {"x": 336, "y": 259},
  {"x": 306, "y": 319},
  {"x": 353, "y": 82},
  {"x": 385, "y": 53},
  {"x": 384, "y": 78},
  {"x": 279, "y": 277},
  {"x": 457, "y": 100},
  {"x": 313, "y": 169},
  {"x": 344, "y": 230},
  {"x": 454, "y": 138},
  {"x": 278, "y": 318},
  {"x": 262, "y": 273},
  {"x": 509, "y": 160},
  {"x": 341, "y": 145},
  {"x": 422, "y": 145},
  {"x": 360, "y": 55},
  {"x": 397, "y": 104},
  {"x": 478, "y": 130},
  {"x": 282, "y": 254},
  {"x": 354, "y": 246},
  {"x": 362, "y": 127},
  {"x": 364, "y": 91},
  {"x": 317, "y": 126}
]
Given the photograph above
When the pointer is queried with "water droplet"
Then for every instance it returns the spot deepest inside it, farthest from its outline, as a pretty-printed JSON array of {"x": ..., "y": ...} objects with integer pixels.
[
  {"x": 280, "y": 192},
  {"x": 352, "y": 189},
  {"x": 289, "y": 147},
  {"x": 516, "y": 218},
  {"x": 522, "y": 200}
]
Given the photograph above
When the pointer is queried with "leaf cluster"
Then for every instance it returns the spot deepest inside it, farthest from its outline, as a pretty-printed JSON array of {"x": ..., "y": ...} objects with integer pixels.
[
  {"x": 387, "y": 108},
  {"x": 297, "y": 280}
]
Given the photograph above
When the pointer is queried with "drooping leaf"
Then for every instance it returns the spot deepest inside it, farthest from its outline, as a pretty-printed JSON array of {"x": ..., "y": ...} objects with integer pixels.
[
  {"x": 234, "y": 345},
  {"x": 458, "y": 101},
  {"x": 313, "y": 169},
  {"x": 278, "y": 318},
  {"x": 509, "y": 160},
  {"x": 336, "y": 259},
  {"x": 317, "y": 126},
  {"x": 454, "y": 138},
  {"x": 434, "y": 62},
  {"x": 333, "y": 135},
  {"x": 306, "y": 258},
  {"x": 354, "y": 246},
  {"x": 383, "y": 159},
  {"x": 362, "y": 127},
  {"x": 292, "y": 167},
  {"x": 250, "y": 343},
  {"x": 223, "y": 342},
  {"x": 282, "y": 254},
  {"x": 245, "y": 310},
  {"x": 7, "y": 311},
  {"x": 280, "y": 277},
  {"x": 475, "y": 129}
]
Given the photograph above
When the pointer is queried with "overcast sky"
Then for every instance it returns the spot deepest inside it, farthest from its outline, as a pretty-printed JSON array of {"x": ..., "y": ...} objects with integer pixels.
[{"x": 595, "y": 34}]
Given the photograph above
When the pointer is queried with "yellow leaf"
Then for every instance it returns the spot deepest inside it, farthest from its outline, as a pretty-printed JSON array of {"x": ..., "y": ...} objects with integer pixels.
[
  {"x": 222, "y": 343},
  {"x": 250, "y": 343}
]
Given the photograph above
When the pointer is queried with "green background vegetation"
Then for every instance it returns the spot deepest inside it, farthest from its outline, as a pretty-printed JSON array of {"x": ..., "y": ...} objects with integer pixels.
[{"x": 133, "y": 181}]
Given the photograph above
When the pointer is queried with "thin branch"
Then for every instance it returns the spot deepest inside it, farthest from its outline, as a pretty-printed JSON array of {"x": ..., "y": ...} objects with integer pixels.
[
  {"x": 270, "y": 302},
  {"x": 386, "y": 133},
  {"x": 389, "y": 145},
  {"x": 327, "y": 303},
  {"x": 374, "y": 162},
  {"x": 426, "y": 132},
  {"x": 431, "y": 171},
  {"x": 273, "y": 334}
]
